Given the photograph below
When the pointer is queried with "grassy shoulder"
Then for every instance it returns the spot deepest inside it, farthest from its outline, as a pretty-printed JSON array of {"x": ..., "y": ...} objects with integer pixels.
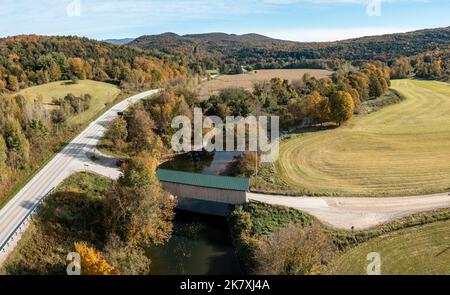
[
  {"x": 401, "y": 149},
  {"x": 71, "y": 214},
  {"x": 255, "y": 225}
]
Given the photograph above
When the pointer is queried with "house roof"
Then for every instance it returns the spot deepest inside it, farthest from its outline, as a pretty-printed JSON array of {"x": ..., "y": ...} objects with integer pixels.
[{"x": 203, "y": 180}]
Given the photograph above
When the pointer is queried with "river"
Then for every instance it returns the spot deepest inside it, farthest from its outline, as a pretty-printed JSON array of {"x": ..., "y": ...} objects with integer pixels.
[{"x": 201, "y": 244}]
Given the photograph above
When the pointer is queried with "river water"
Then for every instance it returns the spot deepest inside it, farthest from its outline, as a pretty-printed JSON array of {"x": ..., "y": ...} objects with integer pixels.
[{"x": 201, "y": 244}]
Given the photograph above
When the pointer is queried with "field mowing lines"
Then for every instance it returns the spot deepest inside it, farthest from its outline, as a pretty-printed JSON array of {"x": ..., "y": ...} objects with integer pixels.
[
  {"x": 400, "y": 150},
  {"x": 419, "y": 250}
]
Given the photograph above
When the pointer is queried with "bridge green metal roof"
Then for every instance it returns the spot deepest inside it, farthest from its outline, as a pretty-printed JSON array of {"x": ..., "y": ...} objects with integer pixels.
[{"x": 203, "y": 180}]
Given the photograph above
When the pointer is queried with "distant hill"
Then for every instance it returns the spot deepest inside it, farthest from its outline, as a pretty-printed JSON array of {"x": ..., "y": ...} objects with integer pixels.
[
  {"x": 172, "y": 41},
  {"x": 220, "y": 50},
  {"x": 29, "y": 60},
  {"x": 119, "y": 41}
]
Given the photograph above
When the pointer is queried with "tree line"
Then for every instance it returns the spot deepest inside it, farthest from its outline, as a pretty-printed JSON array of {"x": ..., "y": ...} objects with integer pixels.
[
  {"x": 33, "y": 60},
  {"x": 228, "y": 52},
  {"x": 334, "y": 99},
  {"x": 432, "y": 65},
  {"x": 29, "y": 132}
]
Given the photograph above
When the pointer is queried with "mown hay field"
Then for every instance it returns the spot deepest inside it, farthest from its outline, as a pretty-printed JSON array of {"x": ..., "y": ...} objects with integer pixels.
[
  {"x": 403, "y": 149},
  {"x": 423, "y": 250},
  {"x": 102, "y": 94},
  {"x": 247, "y": 80}
]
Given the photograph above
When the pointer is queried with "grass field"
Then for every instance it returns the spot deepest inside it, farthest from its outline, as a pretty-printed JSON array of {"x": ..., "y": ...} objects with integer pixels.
[
  {"x": 247, "y": 80},
  {"x": 102, "y": 94},
  {"x": 403, "y": 149},
  {"x": 414, "y": 251}
]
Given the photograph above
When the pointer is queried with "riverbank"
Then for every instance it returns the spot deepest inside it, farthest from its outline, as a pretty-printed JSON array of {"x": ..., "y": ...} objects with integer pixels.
[{"x": 255, "y": 223}]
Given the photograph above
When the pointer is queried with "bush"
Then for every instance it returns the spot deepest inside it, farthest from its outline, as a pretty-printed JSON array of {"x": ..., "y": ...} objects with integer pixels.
[{"x": 295, "y": 250}]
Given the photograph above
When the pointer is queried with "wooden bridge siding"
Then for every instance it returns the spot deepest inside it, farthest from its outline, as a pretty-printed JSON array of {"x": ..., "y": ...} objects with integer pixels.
[{"x": 207, "y": 194}]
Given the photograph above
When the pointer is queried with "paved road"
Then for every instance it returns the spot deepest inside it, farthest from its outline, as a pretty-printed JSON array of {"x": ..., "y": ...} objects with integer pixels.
[
  {"x": 75, "y": 157},
  {"x": 362, "y": 213}
]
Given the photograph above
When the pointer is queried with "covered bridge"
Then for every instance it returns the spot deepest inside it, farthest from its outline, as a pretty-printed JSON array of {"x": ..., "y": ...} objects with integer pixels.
[{"x": 208, "y": 194}]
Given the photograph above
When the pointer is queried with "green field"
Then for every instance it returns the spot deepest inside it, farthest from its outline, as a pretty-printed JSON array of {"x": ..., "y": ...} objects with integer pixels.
[
  {"x": 415, "y": 251},
  {"x": 102, "y": 93},
  {"x": 403, "y": 149}
]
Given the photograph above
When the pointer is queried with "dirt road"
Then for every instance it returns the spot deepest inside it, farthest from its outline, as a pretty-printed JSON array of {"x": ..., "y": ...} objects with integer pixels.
[{"x": 361, "y": 213}]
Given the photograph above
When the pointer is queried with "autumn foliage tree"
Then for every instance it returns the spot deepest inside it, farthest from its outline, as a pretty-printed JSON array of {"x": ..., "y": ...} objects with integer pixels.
[
  {"x": 76, "y": 68},
  {"x": 92, "y": 261},
  {"x": 165, "y": 106},
  {"x": 3, "y": 160},
  {"x": 295, "y": 250},
  {"x": 13, "y": 83},
  {"x": 118, "y": 132},
  {"x": 311, "y": 105},
  {"x": 140, "y": 211},
  {"x": 141, "y": 135},
  {"x": 341, "y": 107}
]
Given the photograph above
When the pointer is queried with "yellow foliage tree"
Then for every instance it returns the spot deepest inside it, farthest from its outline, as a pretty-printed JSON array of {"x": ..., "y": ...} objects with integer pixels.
[
  {"x": 356, "y": 97},
  {"x": 92, "y": 262},
  {"x": 341, "y": 107},
  {"x": 77, "y": 67},
  {"x": 13, "y": 83},
  {"x": 311, "y": 105}
]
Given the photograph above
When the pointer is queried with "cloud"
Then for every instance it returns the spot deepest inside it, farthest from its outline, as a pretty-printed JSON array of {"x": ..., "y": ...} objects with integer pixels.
[
  {"x": 114, "y": 18},
  {"x": 336, "y": 2},
  {"x": 334, "y": 34}
]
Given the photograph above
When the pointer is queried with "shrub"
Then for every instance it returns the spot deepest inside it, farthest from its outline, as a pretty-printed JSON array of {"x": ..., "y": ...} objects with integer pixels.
[{"x": 295, "y": 250}]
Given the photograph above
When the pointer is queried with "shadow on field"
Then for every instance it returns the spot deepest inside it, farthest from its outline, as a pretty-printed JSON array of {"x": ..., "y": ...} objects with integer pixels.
[{"x": 312, "y": 129}]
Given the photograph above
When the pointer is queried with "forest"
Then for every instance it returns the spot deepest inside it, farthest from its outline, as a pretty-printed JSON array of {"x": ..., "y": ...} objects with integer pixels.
[
  {"x": 33, "y": 60},
  {"x": 229, "y": 52}
]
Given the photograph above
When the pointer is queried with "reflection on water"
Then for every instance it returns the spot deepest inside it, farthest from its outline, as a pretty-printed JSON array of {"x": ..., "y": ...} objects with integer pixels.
[
  {"x": 216, "y": 163},
  {"x": 200, "y": 245}
]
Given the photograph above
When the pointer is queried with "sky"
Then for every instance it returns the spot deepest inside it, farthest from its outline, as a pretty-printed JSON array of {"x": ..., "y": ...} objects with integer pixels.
[{"x": 297, "y": 20}]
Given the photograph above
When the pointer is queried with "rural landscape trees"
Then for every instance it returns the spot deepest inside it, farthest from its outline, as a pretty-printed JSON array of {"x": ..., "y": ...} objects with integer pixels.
[
  {"x": 113, "y": 224},
  {"x": 33, "y": 60},
  {"x": 323, "y": 100},
  {"x": 29, "y": 128}
]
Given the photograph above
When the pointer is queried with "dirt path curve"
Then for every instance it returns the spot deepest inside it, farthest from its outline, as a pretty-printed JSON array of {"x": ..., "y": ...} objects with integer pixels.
[{"x": 361, "y": 213}]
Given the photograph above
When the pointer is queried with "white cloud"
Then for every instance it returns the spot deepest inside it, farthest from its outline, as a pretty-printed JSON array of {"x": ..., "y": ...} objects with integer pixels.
[
  {"x": 321, "y": 34},
  {"x": 337, "y": 2},
  {"x": 112, "y": 18}
]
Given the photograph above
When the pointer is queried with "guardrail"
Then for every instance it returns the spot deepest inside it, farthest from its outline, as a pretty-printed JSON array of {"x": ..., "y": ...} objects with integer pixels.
[{"x": 5, "y": 245}]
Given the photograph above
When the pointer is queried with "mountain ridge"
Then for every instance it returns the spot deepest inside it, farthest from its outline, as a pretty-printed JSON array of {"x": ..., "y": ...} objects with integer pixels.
[{"x": 217, "y": 50}]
